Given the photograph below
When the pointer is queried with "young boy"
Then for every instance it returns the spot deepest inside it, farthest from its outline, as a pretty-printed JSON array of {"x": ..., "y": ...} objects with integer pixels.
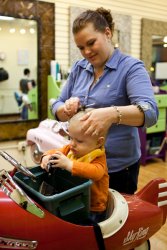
[{"x": 84, "y": 157}]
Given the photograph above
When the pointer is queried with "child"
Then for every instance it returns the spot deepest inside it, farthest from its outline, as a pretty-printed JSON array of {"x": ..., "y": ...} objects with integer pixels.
[{"x": 84, "y": 157}]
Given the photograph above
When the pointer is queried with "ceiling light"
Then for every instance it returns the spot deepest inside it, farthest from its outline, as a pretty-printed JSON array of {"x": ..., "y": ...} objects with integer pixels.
[
  {"x": 22, "y": 31},
  {"x": 165, "y": 39},
  {"x": 152, "y": 69},
  {"x": 12, "y": 30},
  {"x": 32, "y": 30}
]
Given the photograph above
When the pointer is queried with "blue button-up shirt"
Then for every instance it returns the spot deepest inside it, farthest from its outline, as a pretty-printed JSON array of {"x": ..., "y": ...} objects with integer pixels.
[{"x": 125, "y": 81}]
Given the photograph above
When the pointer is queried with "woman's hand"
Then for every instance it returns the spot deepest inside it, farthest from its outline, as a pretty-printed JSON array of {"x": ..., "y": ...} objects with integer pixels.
[
  {"x": 59, "y": 160},
  {"x": 97, "y": 121},
  {"x": 71, "y": 106}
]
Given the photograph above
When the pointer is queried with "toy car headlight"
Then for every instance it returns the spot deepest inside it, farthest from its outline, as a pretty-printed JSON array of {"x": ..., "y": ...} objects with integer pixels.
[{"x": 36, "y": 153}]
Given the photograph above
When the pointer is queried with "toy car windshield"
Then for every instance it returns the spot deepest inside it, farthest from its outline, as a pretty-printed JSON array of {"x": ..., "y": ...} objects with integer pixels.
[{"x": 12, "y": 190}]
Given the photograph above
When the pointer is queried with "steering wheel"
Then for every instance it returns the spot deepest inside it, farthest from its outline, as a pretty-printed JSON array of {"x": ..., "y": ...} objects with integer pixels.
[{"x": 16, "y": 164}]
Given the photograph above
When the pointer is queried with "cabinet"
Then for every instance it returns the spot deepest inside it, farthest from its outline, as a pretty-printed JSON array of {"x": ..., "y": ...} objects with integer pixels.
[{"x": 152, "y": 138}]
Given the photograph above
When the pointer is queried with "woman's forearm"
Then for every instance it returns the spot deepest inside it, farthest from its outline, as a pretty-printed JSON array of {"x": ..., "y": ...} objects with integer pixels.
[
  {"x": 128, "y": 115},
  {"x": 98, "y": 121}
]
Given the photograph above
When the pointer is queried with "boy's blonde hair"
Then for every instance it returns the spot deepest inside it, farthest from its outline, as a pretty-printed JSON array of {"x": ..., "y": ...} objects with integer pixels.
[{"x": 79, "y": 114}]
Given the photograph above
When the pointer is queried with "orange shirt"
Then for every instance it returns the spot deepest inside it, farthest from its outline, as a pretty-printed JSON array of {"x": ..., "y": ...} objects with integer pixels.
[{"x": 96, "y": 171}]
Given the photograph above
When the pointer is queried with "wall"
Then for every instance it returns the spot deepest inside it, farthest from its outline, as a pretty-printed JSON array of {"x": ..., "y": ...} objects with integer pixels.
[{"x": 136, "y": 9}]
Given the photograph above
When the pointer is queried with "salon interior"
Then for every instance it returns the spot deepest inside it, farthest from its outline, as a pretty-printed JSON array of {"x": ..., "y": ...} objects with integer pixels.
[{"x": 37, "y": 35}]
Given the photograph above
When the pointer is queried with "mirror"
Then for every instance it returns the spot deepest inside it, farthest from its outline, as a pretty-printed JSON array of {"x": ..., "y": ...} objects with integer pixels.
[
  {"x": 151, "y": 29},
  {"x": 159, "y": 59},
  {"x": 14, "y": 60},
  {"x": 43, "y": 14}
]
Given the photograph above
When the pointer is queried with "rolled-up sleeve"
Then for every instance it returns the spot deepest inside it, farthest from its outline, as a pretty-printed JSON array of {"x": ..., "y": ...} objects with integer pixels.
[
  {"x": 141, "y": 93},
  {"x": 150, "y": 113}
]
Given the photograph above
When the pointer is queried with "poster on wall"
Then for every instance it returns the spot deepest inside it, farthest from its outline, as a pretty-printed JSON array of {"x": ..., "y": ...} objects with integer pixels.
[{"x": 23, "y": 57}]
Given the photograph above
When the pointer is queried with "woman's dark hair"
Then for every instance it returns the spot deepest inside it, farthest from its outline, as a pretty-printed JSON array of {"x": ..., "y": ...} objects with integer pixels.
[{"x": 100, "y": 18}]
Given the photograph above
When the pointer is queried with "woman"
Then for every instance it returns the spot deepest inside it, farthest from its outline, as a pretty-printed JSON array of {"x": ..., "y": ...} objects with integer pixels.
[{"x": 119, "y": 86}]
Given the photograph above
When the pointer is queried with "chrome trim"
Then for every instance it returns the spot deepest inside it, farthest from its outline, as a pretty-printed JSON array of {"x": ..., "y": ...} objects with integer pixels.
[
  {"x": 16, "y": 164},
  {"x": 17, "y": 244},
  {"x": 36, "y": 152}
]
